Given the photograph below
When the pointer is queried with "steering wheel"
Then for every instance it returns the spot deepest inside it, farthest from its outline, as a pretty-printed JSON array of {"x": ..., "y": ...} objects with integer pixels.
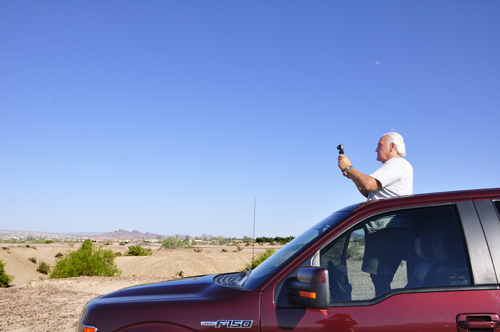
[{"x": 336, "y": 285}]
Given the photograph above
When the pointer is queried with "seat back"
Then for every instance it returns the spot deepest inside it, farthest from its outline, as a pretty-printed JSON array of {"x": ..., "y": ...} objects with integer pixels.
[
  {"x": 425, "y": 271},
  {"x": 453, "y": 270}
]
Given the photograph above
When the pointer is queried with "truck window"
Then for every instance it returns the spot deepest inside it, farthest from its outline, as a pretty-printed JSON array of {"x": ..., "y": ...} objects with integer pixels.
[
  {"x": 399, "y": 250},
  {"x": 273, "y": 263},
  {"x": 497, "y": 205}
]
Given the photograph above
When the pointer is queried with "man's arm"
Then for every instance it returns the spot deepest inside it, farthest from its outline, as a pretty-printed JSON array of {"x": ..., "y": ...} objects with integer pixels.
[{"x": 364, "y": 183}]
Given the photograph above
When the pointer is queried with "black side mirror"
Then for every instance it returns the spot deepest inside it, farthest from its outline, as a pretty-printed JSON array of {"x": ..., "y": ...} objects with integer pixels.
[{"x": 310, "y": 288}]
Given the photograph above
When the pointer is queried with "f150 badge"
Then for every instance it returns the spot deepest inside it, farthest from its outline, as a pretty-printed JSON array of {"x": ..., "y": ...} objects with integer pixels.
[{"x": 230, "y": 323}]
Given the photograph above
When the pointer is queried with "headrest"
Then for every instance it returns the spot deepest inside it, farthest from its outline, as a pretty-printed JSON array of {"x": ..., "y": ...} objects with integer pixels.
[
  {"x": 447, "y": 247},
  {"x": 423, "y": 248}
]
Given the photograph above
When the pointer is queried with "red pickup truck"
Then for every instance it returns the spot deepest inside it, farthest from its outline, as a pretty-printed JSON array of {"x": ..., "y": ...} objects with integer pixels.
[{"x": 417, "y": 263}]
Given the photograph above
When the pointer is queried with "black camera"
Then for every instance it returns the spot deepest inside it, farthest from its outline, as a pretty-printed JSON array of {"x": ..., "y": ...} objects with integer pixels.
[{"x": 340, "y": 148}]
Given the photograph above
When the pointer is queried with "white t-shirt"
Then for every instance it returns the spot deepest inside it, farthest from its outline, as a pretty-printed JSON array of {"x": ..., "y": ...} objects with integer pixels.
[{"x": 396, "y": 177}]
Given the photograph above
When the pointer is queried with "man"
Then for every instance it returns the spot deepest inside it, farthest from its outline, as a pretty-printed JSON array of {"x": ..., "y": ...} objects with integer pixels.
[
  {"x": 393, "y": 178},
  {"x": 385, "y": 237}
]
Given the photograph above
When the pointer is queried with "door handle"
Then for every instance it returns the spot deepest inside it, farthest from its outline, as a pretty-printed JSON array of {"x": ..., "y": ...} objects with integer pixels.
[{"x": 468, "y": 322}]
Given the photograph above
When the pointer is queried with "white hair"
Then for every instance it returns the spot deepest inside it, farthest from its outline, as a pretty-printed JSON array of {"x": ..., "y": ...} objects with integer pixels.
[{"x": 397, "y": 139}]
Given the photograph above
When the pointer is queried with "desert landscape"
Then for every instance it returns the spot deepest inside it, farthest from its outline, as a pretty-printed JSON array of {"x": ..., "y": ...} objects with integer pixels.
[{"x": 35, "y": 301}]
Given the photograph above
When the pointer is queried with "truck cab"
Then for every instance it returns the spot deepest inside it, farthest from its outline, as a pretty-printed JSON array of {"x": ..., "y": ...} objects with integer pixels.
[{"x": 416, "y": 263}]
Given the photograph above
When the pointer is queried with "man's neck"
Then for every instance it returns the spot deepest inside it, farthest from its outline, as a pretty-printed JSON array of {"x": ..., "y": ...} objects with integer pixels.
[{"x": 396, "y": 156}]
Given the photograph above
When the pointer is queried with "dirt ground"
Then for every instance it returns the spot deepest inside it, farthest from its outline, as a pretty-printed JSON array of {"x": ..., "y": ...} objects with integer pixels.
[{"x": 34, "y": 301}]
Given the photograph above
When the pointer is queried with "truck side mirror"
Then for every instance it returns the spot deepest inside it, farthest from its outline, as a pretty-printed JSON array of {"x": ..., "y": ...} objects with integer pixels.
[{"x": 310, "y": 288}]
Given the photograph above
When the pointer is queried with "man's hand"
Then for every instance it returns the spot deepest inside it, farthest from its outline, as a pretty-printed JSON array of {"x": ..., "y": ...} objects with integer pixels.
[
  {"x": 344, "y": 162},
  {"x": 364, "y": 183}
]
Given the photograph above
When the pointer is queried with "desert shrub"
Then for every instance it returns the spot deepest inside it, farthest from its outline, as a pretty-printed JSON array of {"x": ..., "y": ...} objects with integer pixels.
[
  {"x": 32, "y": 259},
  {"x": 198, "y": 249},
  {"x": 43, "y": 268},
  {"x": 88, "y": 260},
  {"x": 59, "y": 255},
  {"x": 5, "y": 279},
  {"x": 48, "y": 241},
  {"x": 118, "y": 254},
  {"x": 138, "y": 251},
  {"x": 172, "y": 242},
  {"x": 354, "y": 251},
  {"x": 224, "y": 250},
  {"x": 180, "y": 274},
  {"x": 260, "y": 258},
  {"x": 283, "y": 240}
]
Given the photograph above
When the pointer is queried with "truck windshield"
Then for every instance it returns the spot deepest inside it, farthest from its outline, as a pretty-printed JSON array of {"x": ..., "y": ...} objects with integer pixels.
[{"x": 266, "y": 268}]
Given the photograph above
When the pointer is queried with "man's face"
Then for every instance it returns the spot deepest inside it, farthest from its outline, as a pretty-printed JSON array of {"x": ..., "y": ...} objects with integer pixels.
[{"x": 383, "y": 150}]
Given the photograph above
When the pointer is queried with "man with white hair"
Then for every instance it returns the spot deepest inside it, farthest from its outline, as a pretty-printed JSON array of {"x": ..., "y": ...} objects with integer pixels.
[
  {"x": 393, "y": 178},
  {"x": 385, "y": 237}
]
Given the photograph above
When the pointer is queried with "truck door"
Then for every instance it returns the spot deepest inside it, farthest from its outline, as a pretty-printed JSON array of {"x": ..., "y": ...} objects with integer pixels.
[{"x": 420, "y": 269}]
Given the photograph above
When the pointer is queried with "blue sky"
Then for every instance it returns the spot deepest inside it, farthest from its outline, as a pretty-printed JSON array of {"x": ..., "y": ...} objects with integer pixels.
[{"x": 170, "y": 117}]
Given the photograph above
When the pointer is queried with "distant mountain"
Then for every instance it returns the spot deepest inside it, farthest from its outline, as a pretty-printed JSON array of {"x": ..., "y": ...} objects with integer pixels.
[
  {"x": 206, "y": 236},
  {"x": 134, "y": 235}
]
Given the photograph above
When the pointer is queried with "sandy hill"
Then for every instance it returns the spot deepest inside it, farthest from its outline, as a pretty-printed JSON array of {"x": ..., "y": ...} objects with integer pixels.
[{"x": 162, "y": 263}]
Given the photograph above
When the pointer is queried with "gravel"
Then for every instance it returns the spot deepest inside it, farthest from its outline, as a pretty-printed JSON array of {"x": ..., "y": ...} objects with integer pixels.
[{"x": 54, "y": 304}]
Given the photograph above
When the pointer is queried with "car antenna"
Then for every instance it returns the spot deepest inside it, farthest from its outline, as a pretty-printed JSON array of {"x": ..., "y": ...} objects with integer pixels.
[{"x": 253, "y": 236}]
